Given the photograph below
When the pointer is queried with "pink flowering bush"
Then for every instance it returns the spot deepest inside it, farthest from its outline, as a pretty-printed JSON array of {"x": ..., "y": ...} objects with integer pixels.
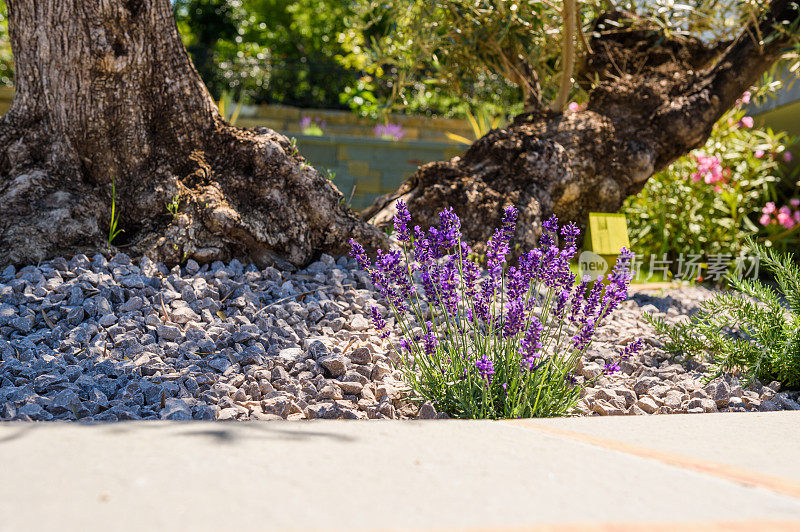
[
  {"x": 781, "y": 224},
  {"x": 707, "y": 202}
]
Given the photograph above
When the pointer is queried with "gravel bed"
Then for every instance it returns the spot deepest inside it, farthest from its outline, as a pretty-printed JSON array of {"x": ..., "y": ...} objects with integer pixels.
[{"x": 94, "y": 339}]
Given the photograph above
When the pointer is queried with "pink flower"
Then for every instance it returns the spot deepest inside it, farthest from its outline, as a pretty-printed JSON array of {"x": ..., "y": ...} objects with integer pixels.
[
  {"x": 717, "y": 189},
  {"x": 574, "y": 107},
  {"x": 746, "y": 97},
  {"x": 785, "y": 217},
  {"x": 787, "y": 156},
  {"x": 794, "y": 202},
  {"x": 785, "y": 220},
  {"x": 765, "y": 220},
  {"x": 796, "y": 216},
  {"x": 709, "y": 169},
  {"x": 758, "y": 154},
  {"x": 747, "y": 121},
  {"x": 769, "y": 208}
]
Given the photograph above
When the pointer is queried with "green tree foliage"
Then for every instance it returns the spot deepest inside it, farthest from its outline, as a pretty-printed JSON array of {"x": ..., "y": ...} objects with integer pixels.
[
  {"x": 487, "y": 50},
  {"x": 6, "y": 59},
  {"x": 271, "y": 50}
]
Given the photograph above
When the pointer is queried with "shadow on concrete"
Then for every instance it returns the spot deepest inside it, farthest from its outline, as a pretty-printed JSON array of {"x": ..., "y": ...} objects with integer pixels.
[{"x": 223, "y": 433}]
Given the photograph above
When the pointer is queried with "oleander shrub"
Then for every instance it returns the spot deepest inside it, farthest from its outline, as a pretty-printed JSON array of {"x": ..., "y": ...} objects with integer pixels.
[
  {"x": 496, "y": 343},
  {"x": 753, "y": 330},
  {"x": 709, "y": 201}
]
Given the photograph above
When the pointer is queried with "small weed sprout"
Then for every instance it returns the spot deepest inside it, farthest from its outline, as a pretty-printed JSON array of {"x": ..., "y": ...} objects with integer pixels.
[
  {"x": 173, "y": 205},
  {"x": 112, "y": 226},
  {"x": 294, "y": 152}
]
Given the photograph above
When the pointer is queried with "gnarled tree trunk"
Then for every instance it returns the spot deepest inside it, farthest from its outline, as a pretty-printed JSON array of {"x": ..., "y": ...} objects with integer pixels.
[
  {"x": 656, "y": 100},
  {"x": 106, "y": 91}
]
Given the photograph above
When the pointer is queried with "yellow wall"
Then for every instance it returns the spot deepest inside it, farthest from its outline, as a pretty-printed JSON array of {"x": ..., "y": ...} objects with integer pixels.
[
  {"x": 786, "y": 118},
  {"x": 287, "y": 120}
]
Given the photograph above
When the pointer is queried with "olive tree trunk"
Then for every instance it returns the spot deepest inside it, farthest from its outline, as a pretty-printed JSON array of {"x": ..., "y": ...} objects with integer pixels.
[
  {"x": 106, "y": 94},
  {"x": 656, "y": 99}
]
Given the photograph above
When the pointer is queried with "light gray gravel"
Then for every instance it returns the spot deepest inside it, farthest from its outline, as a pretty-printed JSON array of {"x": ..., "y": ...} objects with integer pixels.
[
  {"x": 651, "y": 383},
  {"x": 105, "y": 340}
]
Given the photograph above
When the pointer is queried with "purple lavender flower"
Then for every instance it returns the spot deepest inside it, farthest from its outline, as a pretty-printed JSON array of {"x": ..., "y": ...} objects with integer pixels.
[
  {"x": 620, "y": 277},
  {"x": 378, "y": 322},
  {"x": 549, "y": 228},
  {"x": 515, "y": 315},
  {"x": 584, "y": 335},
  {"x": 484, "y": 300},
  {"x": 358, "y": 253},
  {"x": 611, "y": 367},
  {"x": 448, "y": 285},
  {"x": 577, "y": 299},
  {"x": 448, "y": 234},
  {"x": 531, "y": 343},
  {"x": 591, "y": 309},
  {"x": 471, "y": 273},
  {"x": 391, "y": 279},
  {"x": 498, "y": 245},
  {"x": 485, "y": 368},
  {"x": 401, "y": 221},
  {"x": 518, "y": 282},
  {"x": 429, "y": 339},
  {"x": 389, "y": 131},
  {"x": 569, "y": 239},
  {"x": 631, "y": 349},
  {"x": 561, "y": 304}
]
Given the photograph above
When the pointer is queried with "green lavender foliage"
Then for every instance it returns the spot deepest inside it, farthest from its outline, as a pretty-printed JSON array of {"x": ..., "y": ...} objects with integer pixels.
[
  {"x": 500, "y": 344},
  {"x": 753, "y": 330}
]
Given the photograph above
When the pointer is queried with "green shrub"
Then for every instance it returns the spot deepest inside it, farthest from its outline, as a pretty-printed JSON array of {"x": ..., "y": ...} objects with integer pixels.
[
  {"x": 709, "y": 201},
  {"x": 754, "y": 330}
]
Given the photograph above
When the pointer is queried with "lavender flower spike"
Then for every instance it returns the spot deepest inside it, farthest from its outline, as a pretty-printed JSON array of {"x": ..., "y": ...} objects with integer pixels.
[
  {"x": 485, "y": 368},
  {"x": 401, "y": 221},
  {"x": 531, "y": 344},
  {"x": 611, "y": 367},
  {"x": 429, "y": 339},
  {"x": 358, "y": 253},
  {"x": 631, "y": 349},
  {"x": 378, "y": 322}
]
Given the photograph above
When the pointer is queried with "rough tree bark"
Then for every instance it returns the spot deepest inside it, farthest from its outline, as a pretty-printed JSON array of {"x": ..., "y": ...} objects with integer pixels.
[
  {"x": 105, "y": 90},
  {"x": 657, "y": 99}
]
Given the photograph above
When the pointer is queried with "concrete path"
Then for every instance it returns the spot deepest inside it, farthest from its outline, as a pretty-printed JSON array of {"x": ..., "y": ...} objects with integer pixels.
[{"x": 661, "y": 473}]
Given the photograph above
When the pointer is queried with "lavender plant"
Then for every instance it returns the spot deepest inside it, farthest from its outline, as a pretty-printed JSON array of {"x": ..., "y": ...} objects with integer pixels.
[{"x": 500, "y": 343}]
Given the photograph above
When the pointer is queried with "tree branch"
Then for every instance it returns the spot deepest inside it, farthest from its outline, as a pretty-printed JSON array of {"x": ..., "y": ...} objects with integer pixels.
[
  {"x": 568, "y": 13},
  {"x": 685, "y": 124}
]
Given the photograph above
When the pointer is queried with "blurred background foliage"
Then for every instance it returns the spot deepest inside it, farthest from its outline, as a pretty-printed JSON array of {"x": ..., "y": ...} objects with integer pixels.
[
  {"x": 432, "y": 57},
  {"x": 6, "y": 59}
]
